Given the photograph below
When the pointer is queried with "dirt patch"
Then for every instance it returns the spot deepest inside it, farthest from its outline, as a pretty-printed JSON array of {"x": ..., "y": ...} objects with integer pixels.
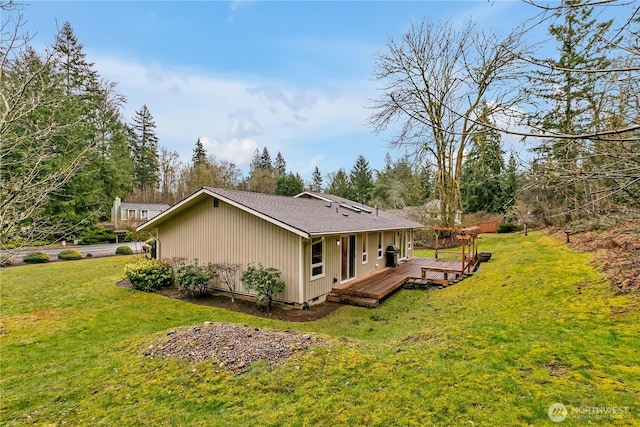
[
  {"x": 616, "y": 253},
  {"x": 232, "y": 347},
  {"x": 248, "y": 306}
]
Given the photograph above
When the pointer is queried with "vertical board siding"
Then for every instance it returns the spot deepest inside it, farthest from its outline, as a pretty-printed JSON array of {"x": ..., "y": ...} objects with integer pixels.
[
  {"x": 229, "y": 234},
  {"x": 332, "y": 261}
]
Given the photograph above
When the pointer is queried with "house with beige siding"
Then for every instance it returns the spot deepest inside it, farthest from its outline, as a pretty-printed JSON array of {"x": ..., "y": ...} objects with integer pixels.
[{"x": 316, "y": 240}]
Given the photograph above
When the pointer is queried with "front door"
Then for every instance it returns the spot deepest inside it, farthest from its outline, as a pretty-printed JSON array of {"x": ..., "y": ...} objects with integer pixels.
[{"x": 348, "y": 244}]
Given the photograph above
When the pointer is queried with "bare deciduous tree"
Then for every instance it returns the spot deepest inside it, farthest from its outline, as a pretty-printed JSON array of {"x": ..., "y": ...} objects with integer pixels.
[
  {"x": 435, "y": 81},
  {"x": 226, "y": 272}
]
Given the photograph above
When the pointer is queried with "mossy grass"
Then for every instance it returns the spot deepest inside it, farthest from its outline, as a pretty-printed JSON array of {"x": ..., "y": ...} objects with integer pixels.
[{"x": 534, "y": 326}]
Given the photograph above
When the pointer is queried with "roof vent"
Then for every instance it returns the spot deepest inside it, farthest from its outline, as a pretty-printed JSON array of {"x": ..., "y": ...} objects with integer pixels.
[
  {"x": 345, "y": 214},
  {"x": 328, "y": 204}
]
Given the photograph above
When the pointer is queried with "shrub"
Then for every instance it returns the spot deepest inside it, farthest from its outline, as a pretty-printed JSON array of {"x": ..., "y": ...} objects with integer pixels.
[
  {"x": 193, "y": 278},
  {"x": 89, "y": 255},
  {"x": 124, "y": 250},
  {"x": 69, "y": 254},
  {"x": 149, "y": 275},
  {"x": 507, "y": 227},
  {"x": 36, "y": 257},
  {"x": 226, "y": 272},
  {"x": 265, "y": 281}
]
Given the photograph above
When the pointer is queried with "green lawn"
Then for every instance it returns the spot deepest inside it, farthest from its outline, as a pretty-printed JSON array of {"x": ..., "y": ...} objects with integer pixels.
[{"x": 535, "y": 326}]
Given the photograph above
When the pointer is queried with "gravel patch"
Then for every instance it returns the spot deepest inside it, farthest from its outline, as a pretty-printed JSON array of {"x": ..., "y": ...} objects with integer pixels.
[{"x": 231, "y": 346}]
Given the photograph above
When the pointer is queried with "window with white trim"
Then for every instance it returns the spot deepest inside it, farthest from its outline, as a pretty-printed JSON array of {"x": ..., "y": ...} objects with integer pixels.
[
  {"x": 379, "y": 244},
  {"x": 144, "y": 214},
  {"x": 317, "y": 257},
  {"x": 365, "y": 253}
]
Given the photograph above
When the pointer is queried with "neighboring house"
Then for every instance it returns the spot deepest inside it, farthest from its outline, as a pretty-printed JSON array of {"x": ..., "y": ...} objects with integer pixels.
[
  {"x": 315, "y": 240},
  {"x": 429, "y": 213},
  {"x": 134, "y": 213}
]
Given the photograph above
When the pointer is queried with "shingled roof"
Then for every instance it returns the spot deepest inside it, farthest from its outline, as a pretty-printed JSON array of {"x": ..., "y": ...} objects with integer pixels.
[
  {"x": 147, "y": 206},
  {"x": 308, "y": 214}
]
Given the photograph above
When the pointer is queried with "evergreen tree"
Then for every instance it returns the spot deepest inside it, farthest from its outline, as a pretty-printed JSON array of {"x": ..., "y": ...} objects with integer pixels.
[
  {"x": 361, "y": 179},
  {"x": 280, "y": 166},
  {"x": 145, "y": 154},
  {"x": 289, "y": 185},
  {"x": 510, "y": 184},
  {"x": 263, "y": 176},
  {"x": 481, "y": 182},
  {"x": 427, "y": 184},
  {"x": 316, "y": 180},
  {"x": 255, "y": 161},
  {"x": 114, "y": 163},
  {"x": 77, "y": 200},
  {"x": 339, "y": 184},
  {"x": 265, "y": 160},
  {"x": 570, "y": 99},
  {"x": 398, "y": 185},
  {"x": 199, "y": 154},
  {"x": 77, "y": 74},
  {"x": 64, "y": 146}
]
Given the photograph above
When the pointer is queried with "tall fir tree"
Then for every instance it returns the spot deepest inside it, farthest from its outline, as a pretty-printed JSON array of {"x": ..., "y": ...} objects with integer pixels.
[
  {"x": 481, "y": 181},
  {"x": 510, "y": 184},
  {"x": 568, "y": 94},
  {"x": 199, "y": 154},
  {"x": 361, "y": 179},
  {"x": 316, "y": 180},
  {"x": 280, "y": 165},
  {"x": 145, "y": 154},
  {"x": 77, "y": 202},
  {"x": 265, "y": 160},
  {"x": 339, "y": 184},
  {"x": 255, "y": 161}
]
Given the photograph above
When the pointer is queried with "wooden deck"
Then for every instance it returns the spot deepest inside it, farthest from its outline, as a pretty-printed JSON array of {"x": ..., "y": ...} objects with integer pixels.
[{"x": 370, "y": 290}]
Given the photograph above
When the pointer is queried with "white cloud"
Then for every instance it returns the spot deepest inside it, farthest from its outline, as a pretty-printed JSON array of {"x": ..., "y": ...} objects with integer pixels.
[
  {"x": 238, "y": 151},
  {"x": 236, "y": 114}
]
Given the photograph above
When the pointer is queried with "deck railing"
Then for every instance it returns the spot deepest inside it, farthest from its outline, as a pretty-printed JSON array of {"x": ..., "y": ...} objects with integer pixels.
[{"x": 469, "y": 250}]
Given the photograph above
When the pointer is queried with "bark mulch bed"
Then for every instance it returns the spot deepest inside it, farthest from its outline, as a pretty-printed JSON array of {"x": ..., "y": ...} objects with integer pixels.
[{"x": 248, "y": 306}]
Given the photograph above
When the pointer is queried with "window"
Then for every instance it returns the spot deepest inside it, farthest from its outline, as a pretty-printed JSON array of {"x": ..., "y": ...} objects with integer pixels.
[
  {"x": 364, "y": 248},
  {"x": 317, "y": 257},
  {"x": 144, "y": 214},
  {"x": 132, "y": 214},
  {"x": 379, "y": 244}
]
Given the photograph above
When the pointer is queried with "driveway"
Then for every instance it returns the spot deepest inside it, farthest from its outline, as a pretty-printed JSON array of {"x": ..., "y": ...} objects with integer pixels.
[{"x": 94, "y": 250}]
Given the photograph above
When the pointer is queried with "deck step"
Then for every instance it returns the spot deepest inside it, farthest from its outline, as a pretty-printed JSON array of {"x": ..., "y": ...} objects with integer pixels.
[{"x": 353, "y": 300}]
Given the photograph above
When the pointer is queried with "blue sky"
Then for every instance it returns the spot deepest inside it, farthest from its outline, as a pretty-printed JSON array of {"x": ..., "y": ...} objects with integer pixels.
[{"x": 294, "y": 76}]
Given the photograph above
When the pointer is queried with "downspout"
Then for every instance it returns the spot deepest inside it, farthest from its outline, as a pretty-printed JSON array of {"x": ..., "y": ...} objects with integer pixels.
[{"x": 301, "y": 296}]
